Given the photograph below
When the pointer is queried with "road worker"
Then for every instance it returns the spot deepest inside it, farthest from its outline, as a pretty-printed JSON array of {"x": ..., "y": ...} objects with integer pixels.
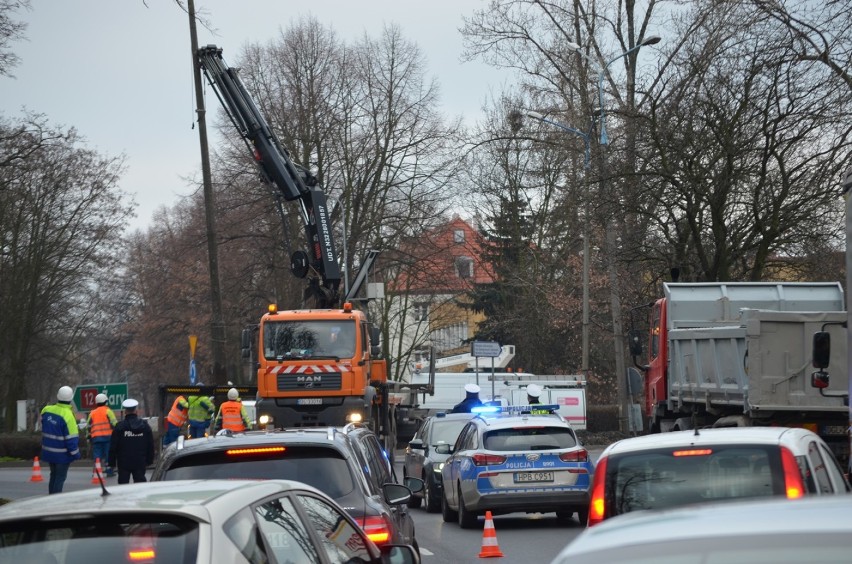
[
  {"x": 99, "y": 425},
  {"x": 175, "y": 420},
  {"x": 200, "y": 414},
  {"x": 60, "y": 438},
  {"x": 232, "y": 415}
]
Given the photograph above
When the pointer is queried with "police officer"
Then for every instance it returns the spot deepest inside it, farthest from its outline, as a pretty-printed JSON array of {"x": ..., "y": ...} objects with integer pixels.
[
  {"x": 232, "y": 415},
  {"x": 533, "y": 394},
  {"x": 60, "y": 438},
  {"x": 175, "y": 420},
  {"x": 200, "y": 413},
  {"x": 99, "y": 426},
  {"x": 132, "y": 445},
  {"x": 471, "y": 400}
]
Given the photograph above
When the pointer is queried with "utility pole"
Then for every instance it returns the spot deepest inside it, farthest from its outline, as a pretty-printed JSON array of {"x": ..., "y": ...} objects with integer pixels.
[{"x": 217, "y": 324}]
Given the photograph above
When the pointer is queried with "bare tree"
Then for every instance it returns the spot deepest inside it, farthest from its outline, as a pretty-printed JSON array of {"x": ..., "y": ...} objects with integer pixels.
[
  {"x": 10, "y": 30},
  {"x": 62, "y": 217}
]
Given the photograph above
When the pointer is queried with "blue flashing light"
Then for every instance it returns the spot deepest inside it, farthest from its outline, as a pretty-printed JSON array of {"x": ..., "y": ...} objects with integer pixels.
[
  {"x": 486, "y": 409},
  {"x": 510, "y": 409}
]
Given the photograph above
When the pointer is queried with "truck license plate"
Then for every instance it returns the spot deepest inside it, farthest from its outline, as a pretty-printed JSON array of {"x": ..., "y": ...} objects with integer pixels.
[
  {"x": 525, "y": 477},
  {"x": 309, "y": 401}
]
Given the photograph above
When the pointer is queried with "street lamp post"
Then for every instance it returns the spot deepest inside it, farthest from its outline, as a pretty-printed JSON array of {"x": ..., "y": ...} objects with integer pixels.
[
  {"x": 587, "y": 162},
  {"x": 611, "y": 235}
]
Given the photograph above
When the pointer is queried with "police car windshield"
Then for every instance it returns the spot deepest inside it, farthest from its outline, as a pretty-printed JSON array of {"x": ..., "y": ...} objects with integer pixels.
[
  {"x": 529, "y": 438},
  {"x": 284, "y": 340}
]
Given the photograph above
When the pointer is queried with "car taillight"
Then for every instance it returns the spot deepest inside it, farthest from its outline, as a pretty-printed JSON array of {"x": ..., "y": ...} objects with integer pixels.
[
  {"x": 597, "y": 506},
  {"x": 480, "y": 459},
  {"x": 376, "y": 528},
  {"x": 794, "y": 486},
  {"x": 144, "y": 555},
  {"x": 580, "y": 455}
]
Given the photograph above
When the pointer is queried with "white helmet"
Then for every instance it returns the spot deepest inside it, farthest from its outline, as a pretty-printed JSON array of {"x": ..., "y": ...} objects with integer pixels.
[
  {"x": 65, "y": 393},
  {"x": 533, "y": 390},
  {"x": 101, "y": 398},
  {"x": 233, "y": 394}
]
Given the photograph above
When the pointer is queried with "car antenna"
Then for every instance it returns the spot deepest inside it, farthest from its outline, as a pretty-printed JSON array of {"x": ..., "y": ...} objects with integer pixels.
[{"x": 100, "y": 476}]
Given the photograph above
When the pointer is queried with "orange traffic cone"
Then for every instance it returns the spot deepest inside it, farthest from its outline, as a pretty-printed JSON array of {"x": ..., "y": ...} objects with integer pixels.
[
  {"x": 490, "y": 549},
  {"x": 97, "y": 471},
  {"x": 36, "y": 477}
]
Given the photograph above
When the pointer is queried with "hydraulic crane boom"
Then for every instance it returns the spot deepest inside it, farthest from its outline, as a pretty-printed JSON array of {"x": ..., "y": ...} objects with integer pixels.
[{"x": 290, "y": 181}]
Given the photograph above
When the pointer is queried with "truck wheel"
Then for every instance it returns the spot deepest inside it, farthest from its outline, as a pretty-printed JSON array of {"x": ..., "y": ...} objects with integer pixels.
[
  {"x": 467, "y": 519},
  {"x": 446, "y": 513}
]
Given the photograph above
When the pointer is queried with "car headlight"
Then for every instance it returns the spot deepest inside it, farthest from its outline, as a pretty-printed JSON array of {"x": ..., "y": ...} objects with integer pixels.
[{"x": 437, "y": 467}]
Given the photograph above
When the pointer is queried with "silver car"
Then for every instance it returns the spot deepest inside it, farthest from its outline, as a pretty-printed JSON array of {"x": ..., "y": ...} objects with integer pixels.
[
  {"x": 189, "y": 521},
  {"x": 706, "y": 465},
  {"x": 768, "y": 531}
]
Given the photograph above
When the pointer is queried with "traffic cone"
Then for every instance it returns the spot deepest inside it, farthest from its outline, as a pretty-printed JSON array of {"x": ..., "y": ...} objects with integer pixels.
[
  {"x": 36, "y": 477},
  {"x": 97, "y": 471},
  {"x": 490, "y": 549}
]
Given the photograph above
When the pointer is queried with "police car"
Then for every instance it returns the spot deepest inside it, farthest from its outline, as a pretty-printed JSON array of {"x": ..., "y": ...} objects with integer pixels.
[{"x": 515, "y": 459}]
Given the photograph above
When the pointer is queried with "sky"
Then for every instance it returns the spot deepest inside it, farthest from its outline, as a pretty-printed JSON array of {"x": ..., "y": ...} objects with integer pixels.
[{"x": 120, "y": 72}]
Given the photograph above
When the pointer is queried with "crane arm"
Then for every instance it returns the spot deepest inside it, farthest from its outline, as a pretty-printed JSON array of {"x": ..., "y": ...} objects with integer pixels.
[{"x": 291, "y": 181}]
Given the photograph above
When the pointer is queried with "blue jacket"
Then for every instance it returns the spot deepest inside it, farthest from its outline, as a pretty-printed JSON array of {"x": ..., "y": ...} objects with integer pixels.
[{"x": 60, "y": 441}]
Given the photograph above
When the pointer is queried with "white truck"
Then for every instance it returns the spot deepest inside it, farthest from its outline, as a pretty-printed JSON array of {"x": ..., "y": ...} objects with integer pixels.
[{"x": 741, "y": 354}]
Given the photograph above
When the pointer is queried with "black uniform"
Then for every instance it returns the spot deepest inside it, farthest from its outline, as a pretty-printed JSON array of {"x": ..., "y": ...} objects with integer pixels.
[
  {"x": 469, "y": 402},
  {"x": 132, "y": 447}
]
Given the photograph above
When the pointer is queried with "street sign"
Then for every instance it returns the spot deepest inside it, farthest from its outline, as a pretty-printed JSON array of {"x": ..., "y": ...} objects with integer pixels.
[
  {"x": 84, "y": 396},
  {"x": 193, "y": 372},
  {"x": 485, "y": 348}
]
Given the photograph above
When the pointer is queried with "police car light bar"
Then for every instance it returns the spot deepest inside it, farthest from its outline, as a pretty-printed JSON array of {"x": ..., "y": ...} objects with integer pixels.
[{"x": 538, "y": 408}]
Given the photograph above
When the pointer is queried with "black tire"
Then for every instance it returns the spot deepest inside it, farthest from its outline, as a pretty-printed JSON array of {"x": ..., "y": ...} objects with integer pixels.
[
  {"x": 447, "y": 514},
  {"x": 565, "y": 515},
  {"x": 583, "y": 516},
  {"x": 431, "y": 498},
  {"x": 414, "y": 501},
  {"x": 467, "y": 519}
]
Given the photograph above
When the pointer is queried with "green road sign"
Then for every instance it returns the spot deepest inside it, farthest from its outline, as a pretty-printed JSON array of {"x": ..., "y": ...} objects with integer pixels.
[{"x": 84, "y": 396}]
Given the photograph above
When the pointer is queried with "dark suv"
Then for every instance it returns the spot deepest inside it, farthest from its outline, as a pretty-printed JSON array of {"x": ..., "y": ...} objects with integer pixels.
[{"x": 348, "y": 464}]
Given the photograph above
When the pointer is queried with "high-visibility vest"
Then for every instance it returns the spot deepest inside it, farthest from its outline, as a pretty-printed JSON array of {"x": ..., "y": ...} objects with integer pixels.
[
  {"x": 101, "y": 422},
  {"x": 231, "y": 413},
  {"x": 177, "y": 416},
  {"x": 200, "y": 408}
]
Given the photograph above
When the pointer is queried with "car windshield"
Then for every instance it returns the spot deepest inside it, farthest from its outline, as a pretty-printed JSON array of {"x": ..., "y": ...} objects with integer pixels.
[
  {"x": 308, "y": 339},
  {"x": 670, "y": 477},
  {"x": 323, "y": 468},
  {"x": 114, "y": 538},
  {"x": 446, "y": 431},
  {"x": 529, "y": 438}
]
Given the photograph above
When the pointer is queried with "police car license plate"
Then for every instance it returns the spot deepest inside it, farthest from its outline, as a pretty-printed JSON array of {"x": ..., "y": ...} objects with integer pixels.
[
  {"x": 309, "y": 401},
  {"x": 526, "y": 477}
]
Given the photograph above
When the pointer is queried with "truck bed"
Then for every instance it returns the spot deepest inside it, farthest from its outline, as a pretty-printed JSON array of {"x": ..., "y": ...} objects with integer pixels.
[{"x": 761, "y": 364}]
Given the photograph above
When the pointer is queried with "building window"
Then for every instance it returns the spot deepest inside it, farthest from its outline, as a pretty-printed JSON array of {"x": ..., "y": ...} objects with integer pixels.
[
  {"x": 449, "y": 337},
  {"x": 458, "y": 236},
  {"x": 464, "y": 267},
  {"x": 420, "y": 311}
]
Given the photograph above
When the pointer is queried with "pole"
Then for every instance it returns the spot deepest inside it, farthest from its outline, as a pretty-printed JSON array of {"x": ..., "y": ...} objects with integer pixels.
[
  {"x": 847, "y": 192},
  {"x": 586, "y": 234},
  {"x": 217, "y": 324}
]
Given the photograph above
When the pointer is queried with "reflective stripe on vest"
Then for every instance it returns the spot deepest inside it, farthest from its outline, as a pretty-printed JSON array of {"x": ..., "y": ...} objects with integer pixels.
[
  {"x": 232, "y": 416},
  {"x": 177, "y": 416},
  {"x": 100, "y": 424}
]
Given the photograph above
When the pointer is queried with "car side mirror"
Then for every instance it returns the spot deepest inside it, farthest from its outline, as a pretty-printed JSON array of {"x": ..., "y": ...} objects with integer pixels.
[
  {"x": 416, "y": 485},
  {"x": 416, "y": 444},
  {"x": 399, "y": 554},
  {"x": 444, "y": 448}
]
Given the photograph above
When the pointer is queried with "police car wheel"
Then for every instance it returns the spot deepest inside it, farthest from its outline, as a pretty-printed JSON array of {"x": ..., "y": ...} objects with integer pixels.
[
  {"x": 583, "y": 516},
  {"x": 446, "y": 513},
  {"x": 467, "y": 519}
]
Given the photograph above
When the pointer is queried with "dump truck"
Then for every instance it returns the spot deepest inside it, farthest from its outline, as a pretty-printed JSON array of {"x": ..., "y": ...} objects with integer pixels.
[{"x": 742, "y": 354}]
